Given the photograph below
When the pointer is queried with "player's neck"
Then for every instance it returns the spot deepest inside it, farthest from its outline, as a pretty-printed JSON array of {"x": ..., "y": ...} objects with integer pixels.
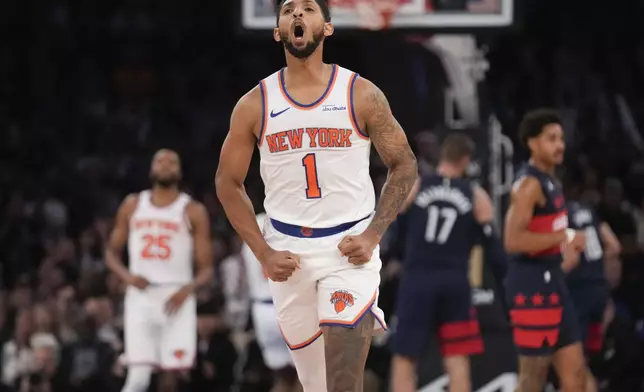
[
  {"x": 306, "y": 70},
  {"x": 162, "y": 197},
  {"x": 542, "y": 166},
  {"x": 448, "y": 170}
]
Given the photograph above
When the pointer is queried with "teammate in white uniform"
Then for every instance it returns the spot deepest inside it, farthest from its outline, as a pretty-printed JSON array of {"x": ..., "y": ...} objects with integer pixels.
[
  {"x": 165, "y": 230},
  {"x": 274, "y": 350},
  {"x": 314, "y": 124}
]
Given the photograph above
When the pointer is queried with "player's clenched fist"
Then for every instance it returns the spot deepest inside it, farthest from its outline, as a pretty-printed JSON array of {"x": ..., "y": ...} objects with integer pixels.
[
  {"x": 279, "y": 265},
  {"x": 359, "y": 248}
]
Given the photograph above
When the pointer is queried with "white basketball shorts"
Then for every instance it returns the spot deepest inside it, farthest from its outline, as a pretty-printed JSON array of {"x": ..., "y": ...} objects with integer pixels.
[
  {"x": 327, "y": 290},
  {"x": 154, "y": 338}
]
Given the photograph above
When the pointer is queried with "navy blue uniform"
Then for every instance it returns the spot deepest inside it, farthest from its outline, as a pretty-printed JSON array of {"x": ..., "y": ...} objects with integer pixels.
[
  {"x": 542, "y": 312},
  {"x": 586, "y": 282},
  {"x": 435, "y": 292}
]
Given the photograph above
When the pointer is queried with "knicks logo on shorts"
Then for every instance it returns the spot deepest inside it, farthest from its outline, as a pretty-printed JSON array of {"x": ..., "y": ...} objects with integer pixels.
[
  {"x": 306, "y": 231},
  {"x": 341, "y": 299},
  {"x": 179, "y": 354}
]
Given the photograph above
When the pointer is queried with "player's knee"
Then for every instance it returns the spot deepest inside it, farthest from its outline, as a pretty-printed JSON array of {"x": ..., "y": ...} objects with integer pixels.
[
  {"x": 403, "y": 364},
  {"x": 138, "y": 379},
  {"x": 533, "y": 373},
  {"x": 575, "y": 378},
  {"x": 458, "y": 372}
]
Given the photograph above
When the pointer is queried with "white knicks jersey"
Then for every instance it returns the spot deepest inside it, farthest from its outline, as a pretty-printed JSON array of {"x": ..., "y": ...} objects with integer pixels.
[
  {"x": 160, "y": 242},
  {"x": 257, "y": 281},
  {"x": 314, "y": 159}
]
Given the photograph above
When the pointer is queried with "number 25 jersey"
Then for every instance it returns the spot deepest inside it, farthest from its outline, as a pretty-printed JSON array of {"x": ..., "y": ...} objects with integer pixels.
[
  {"x": 160, "y": 243},
  {"x": 314, "y": 158}
]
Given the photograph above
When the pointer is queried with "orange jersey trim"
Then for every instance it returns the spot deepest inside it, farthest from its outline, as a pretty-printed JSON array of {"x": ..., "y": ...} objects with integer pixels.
[
  {"x": 262, "y": 129},
  {"x": 314, "y": 104},
  {"x": 351, "y": 107},
  {"x": 305, "y": 343}
]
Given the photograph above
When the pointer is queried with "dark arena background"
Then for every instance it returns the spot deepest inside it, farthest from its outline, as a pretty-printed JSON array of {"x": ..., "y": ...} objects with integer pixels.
[{"x": 90, "y": 89}]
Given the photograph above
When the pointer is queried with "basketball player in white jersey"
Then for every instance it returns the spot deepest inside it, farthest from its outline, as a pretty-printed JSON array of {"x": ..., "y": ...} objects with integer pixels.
[
  {"x": 165, "y": 230},
  {"x": 274, "y": 350},
  {"x": 314, "y": 124}
]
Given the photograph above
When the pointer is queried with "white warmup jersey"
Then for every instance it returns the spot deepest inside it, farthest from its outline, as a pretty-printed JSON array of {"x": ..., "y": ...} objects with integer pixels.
[
  {"x": 160, "y": 243},
  {"x": 314, "y": 158}
]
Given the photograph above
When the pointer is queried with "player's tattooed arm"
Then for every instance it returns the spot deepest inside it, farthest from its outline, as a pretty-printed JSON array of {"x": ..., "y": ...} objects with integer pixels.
[
  {"x": 200, "y": 223},
  {"x": 234, "y": 160},
  {"x": 390, "y": 141},
  {"x": 526, "y": 195},
  {"x": 412, "y": 196},
  {"x": 118, "y": 238}
]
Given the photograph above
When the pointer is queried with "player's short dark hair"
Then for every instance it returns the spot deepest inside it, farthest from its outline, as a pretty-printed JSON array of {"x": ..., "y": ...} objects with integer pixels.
[
  {"x": 324, "y": 6},
  {"x": 534, "y": 121},
  {"x": 457, "y": 146}
]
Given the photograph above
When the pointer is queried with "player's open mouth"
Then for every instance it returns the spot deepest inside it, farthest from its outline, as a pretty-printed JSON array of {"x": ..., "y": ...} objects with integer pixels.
[{"x": 298, "y": 31}]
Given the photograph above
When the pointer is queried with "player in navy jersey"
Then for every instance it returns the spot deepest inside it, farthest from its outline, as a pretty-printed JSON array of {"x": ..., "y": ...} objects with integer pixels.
[
  {"x": 586, "y": 282},
  {"x": 446, "y": 217},
  {"x": 543, "y": 317}
]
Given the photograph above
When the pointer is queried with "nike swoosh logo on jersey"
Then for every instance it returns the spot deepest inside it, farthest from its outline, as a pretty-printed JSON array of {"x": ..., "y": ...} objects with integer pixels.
[{"x": 273, "y": 114}]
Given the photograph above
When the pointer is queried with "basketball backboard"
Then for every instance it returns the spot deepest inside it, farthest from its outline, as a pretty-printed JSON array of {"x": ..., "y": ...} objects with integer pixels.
[{"x": 411, "y": 14}]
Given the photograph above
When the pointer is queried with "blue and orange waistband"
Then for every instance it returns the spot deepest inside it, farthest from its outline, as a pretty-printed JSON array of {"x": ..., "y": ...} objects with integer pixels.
[{"x": 309, "y": 232}]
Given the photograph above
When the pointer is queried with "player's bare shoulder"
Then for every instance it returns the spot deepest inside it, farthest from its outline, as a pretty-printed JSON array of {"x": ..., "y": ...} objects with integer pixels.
[
  {"x": 196, "y": 211},
  {"x": 237, "y": 150},
  {"x": 526, "y": 189},
  {"x": 128, "y": 206},
  {"x": 376, "y": 119},
  {"x": 372, "y": 107},
  {"x": 248, "y": 112},
  {"x": 121, "y": 228}
]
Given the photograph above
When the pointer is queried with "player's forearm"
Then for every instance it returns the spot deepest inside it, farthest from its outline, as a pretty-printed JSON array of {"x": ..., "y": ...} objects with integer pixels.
[
  {"x": 241, "y": 215},
  {"x": 114, "y": 264},
  {"x": 525, "y": 241},
  {"x": 400, "y": 180}
]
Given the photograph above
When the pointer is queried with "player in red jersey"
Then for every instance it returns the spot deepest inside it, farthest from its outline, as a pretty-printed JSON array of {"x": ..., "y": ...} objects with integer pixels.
[{"x": 543, "y": 317}]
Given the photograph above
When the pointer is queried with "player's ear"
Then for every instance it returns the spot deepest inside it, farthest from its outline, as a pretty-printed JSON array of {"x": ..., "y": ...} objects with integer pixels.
[
  {"x": 532, "y": 143},
  {"x": 276, "y": 34},
  {"x": 328, "y": 29}
]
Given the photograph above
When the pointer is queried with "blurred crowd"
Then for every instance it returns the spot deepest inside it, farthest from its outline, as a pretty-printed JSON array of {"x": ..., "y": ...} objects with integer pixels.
[{"x": 90, "y": 89}]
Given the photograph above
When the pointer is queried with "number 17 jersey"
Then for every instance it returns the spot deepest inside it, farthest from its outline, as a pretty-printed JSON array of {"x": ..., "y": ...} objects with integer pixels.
[
  {"x": 440, "y": 225},
  {"x": 314, "y": 158}
]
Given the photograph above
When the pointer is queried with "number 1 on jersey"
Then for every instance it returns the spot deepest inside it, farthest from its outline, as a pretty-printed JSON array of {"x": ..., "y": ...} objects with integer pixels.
[{"x": 313, "y": 190}]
